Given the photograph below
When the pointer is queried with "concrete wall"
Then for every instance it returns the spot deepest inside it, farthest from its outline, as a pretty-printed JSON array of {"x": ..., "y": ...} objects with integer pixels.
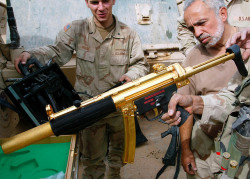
[{"x": 39, "y": 21}]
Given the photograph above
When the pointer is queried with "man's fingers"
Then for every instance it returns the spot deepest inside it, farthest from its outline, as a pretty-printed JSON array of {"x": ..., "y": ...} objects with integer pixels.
[
  {"x": 176, "y": 123},
  {"x": 243, "y": 35},
  {"x": 193, "y": 165},
  {"x": 122, "y": 78},
  {"x": 246, "y": 54},
  {"x": 237, "y": 38},
  {"x": 172, "y": 104},
  {"x": 16, "y": 64},
  {"x": 24, "y": 56},
  {"x": 126, "y": 78},
  {"x": 233, "y": 39},
  {"x": 191, "y": 169},
  {"x": 172, "y": 120},
  {"x": 187, "y": 168}
]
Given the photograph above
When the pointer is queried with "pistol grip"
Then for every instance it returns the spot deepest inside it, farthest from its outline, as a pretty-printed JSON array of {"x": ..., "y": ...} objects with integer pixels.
[
  {"x": 184, "y": 115},
  {"x": 129, "y": 133}
]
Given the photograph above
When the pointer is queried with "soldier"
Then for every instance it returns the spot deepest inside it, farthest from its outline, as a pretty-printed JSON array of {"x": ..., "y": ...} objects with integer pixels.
[
  {"x": 207, "y": 20},
  {"x": 238, "y": 15},
  {"x": 107, "y": 51},
  {"x": 221, "y": 108},
  {"x": 3, "y": 59},
  {"x": 10, "y": 124}
]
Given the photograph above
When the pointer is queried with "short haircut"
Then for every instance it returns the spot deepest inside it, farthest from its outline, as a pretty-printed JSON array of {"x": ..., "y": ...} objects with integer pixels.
[{"x": 213, "y": 4}]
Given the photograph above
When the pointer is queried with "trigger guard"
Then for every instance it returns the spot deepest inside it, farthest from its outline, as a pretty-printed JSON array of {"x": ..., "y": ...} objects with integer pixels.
[{"x": 155, "y": 114}]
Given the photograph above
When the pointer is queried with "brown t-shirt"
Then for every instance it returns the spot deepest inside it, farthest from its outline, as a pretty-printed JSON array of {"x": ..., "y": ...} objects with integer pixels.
[
  {"x": 105, "y": 31},
  {"x": 208, "y": 81}
]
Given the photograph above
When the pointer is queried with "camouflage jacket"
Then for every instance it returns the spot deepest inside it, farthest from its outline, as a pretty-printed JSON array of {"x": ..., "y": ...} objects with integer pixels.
[
  {"x": 217, "y": 107},
  {"x": 99, "y": 62}
]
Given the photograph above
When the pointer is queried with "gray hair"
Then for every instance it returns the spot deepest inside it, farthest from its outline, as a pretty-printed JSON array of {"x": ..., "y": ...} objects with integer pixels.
[{"x": 213, "y": 4}]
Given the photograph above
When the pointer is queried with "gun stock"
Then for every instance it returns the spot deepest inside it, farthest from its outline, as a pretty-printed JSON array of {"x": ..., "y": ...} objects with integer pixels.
[{"x": 75, "y": 118}]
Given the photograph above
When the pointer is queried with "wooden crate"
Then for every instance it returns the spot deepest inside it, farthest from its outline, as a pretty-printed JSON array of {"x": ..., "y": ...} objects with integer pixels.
[{"x": 42, "y": 159}]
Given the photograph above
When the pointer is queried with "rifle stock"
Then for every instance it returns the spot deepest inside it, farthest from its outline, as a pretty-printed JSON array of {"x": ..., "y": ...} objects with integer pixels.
[{"x": 122, "y": 97}]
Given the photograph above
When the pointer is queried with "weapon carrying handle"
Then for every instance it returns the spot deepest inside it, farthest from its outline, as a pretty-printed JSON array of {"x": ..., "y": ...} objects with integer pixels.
[
  {"x": 238, "y": 59},
  {"x": 25, "y": 69}
]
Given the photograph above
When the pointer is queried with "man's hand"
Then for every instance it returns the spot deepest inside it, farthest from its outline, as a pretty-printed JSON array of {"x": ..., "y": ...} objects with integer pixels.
[
  {"x": 126, "y": 78},
  {"x": 192, "y": 104},
  {"x": 23, "y": 57},
  {"x": 188, "y": 161},
  {"x": 173, "y": 116},
  {"x": 241, "y": 38}
]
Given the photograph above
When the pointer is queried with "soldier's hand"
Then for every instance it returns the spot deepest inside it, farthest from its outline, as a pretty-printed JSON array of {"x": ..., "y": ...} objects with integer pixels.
[
  {"x": 241, "y": 38},
  {"x": 23, "y": 57},
  {"x": 172, "y": 117},
  {"x": 126, "y": 78},
  {"x": 188, "y": 161}
]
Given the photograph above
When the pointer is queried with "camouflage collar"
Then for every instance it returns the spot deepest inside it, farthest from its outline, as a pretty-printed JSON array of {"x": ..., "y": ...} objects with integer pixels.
[{"x": 117, "y": 33}]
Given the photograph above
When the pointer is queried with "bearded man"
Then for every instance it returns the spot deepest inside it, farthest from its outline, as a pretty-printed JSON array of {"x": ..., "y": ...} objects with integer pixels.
[{"x": 207, "y": 20}]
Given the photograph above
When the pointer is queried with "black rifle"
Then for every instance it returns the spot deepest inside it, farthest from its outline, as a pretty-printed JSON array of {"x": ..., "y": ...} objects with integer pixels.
[{"x": 14, "y": 35}]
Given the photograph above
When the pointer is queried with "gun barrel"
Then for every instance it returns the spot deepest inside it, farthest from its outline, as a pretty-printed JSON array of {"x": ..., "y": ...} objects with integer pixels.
[
  {"x": 27, "y": 138},
  {"x": 210, "y": 63}
]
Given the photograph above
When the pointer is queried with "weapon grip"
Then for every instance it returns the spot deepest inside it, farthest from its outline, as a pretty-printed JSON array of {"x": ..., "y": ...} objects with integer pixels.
[
  {"x": 184, "y": 114},
  {"x": 25, "y": 68},
  {"x": 238, "y": 59}
]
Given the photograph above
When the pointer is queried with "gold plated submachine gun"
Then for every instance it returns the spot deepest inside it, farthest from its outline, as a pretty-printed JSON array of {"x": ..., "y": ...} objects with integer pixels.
[{"x": 77, "y": 117}]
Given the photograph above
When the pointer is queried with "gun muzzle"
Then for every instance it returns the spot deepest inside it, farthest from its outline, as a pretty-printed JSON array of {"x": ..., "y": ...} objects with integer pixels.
[{"x": 26, "y": 138}]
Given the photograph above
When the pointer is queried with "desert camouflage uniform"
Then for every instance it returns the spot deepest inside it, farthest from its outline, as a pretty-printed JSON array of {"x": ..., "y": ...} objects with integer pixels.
[
  {"x": 99, "y": 65},
  {"x": 9, "y": 120},
  {"x": 217, "y": 109},
  {"x": 238, "y": 15},
  {"x": 3, "y": 60}
]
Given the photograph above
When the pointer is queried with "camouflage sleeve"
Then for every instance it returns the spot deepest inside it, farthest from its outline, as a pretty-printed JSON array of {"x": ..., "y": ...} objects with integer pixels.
[
  {"x": 62, "y": 50},
  {"x": 138, "y": 65},
  {"x": 184, "y": 36},
  {"x": 217, "y": 107},
  {"x": 3, "y": 62}
]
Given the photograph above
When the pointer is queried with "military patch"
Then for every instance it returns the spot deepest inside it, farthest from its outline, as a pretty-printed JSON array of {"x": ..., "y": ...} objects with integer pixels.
[{"x": 67, "y": 27}]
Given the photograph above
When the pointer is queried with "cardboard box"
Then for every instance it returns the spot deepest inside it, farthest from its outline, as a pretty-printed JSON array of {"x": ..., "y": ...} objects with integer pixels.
[{"x": 69, "y": 69}]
